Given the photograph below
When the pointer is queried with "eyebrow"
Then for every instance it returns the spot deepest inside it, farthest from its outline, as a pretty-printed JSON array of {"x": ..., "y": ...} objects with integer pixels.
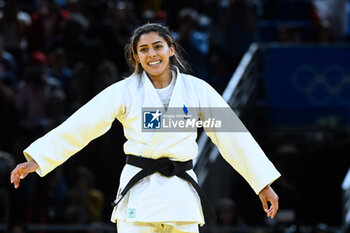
[{"x": 143, "y": 45}]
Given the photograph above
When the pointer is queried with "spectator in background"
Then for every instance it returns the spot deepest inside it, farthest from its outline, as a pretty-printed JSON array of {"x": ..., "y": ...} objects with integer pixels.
[
  {"x": 6, "y": 92},
  {"x": 148, "y": 16},
  {"x": 103, "y": 72},
  {"x": 14, "y": 26},
  {"x": 83, "y": 202},
  {"x": 227, "y": 213},
  {"x": 73, "y": 39},
  {"x": 95, "y": 73},
  {"x": 331, "y": 15},
  {"x": 233, "y": 29},
  {"x": 7, "y": 162},
  {"x": 8, "y": 116},
  {"x": 33, "y": 93},
  {"x": 45, "y": 200},
  {"x": 117, "y": 26},
  {"x": 321, "y": 228},
  {"x": 73, "y": 6},
  {"x": 46, "y": 25},
  {"x": 8, "y": 66},
  {"x": 220, "y": 73},
  {"x": 153, "y": 5},
  {"x": 57, "y": 67},
  {"x": 89, "y": 9},
  {"x": 55, "y": 110},
  {"x": 18, "y": 227},
  {"x": 287, "y": 33},
  {"x": 174, "y": 7},
  {"x": 193, "y": 41}
]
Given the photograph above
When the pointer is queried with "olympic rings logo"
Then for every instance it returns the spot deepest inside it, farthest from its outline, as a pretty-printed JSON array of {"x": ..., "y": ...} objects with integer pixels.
[{"x": 321, "y": 87}]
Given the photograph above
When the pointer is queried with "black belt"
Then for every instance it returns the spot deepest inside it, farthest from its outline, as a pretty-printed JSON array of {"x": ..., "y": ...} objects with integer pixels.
[{"x": 167, "y": 168}]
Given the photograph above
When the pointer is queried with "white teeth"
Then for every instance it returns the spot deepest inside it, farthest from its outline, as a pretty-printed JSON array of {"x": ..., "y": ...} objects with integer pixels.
[{"x": 154, "y": 63}]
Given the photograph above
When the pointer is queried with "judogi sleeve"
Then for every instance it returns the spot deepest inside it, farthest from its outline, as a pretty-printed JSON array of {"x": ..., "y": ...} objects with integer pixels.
[
  {"x": 87, "y": 123},
  {"x": 235, "y": 143}
]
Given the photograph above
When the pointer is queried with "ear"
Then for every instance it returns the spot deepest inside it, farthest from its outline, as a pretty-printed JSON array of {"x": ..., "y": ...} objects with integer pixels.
[{"x": 172, "y": 51}]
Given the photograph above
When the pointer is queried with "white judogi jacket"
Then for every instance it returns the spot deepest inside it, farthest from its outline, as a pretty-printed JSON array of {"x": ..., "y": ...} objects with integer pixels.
[{"x": 155, "y": 198}]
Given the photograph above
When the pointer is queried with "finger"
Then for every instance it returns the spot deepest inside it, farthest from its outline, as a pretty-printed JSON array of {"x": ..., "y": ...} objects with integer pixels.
[
  {"x": 16, "y": 184},
  {"x": 272, "y": 213},
  {"x": 12, "y": 176},
  {"x": 15, "y": 173},
  {"x": 15, "y": 179},
  {"x": 274, "y": 208},
  {"x": 268, "y": 212},
  {"x": 265, "y": 205},
  {"x": 274, "y": 203},
  {"x": 25, "y": 172}
]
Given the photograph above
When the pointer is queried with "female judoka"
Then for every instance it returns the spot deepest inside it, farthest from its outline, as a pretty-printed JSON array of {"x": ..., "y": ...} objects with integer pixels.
[{"x": 158, "y": 190}]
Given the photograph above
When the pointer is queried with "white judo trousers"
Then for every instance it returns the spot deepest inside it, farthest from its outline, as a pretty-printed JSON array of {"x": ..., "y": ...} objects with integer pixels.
[{"x": 154, "y": 227}]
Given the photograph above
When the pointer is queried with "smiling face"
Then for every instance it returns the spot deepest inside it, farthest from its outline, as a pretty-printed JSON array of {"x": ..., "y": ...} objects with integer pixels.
[{"x": 153, "y": 53}]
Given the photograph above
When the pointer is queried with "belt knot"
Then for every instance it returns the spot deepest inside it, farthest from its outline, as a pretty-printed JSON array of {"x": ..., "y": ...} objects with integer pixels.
[{"x": 169, "y": 168}]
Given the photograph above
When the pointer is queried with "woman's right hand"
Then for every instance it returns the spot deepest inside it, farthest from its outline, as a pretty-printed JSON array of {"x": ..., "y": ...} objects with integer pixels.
[{"x": 22, "y": 170}]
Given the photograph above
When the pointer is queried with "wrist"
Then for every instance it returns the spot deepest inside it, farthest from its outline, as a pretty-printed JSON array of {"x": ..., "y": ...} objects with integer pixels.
[
  {"x": 264, "y": 189},
  {"x": 33, "y": 163}
]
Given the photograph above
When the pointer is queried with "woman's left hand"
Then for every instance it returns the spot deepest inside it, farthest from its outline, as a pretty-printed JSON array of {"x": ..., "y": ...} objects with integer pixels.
[{"x": 268, "y": 195}]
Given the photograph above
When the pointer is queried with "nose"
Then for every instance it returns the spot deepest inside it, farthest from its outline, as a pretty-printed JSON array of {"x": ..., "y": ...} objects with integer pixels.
[{"x": 151, "y": 52}]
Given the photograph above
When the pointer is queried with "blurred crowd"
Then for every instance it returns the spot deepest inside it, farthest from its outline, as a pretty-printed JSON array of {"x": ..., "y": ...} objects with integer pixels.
[{"x": 55, "y": 55}]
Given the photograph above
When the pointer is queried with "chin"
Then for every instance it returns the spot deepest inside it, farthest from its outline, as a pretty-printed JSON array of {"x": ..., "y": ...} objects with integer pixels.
[{"x": 154, "y": 73}]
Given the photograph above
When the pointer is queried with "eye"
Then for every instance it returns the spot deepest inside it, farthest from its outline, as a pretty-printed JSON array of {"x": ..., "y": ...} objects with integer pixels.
[
  {"x": 158, "y": 46},
  {"x": 143, "y": 50}
]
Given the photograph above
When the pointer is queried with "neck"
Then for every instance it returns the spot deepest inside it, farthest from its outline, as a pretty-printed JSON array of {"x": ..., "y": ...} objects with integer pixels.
[{"x": 161, "y": 81}]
